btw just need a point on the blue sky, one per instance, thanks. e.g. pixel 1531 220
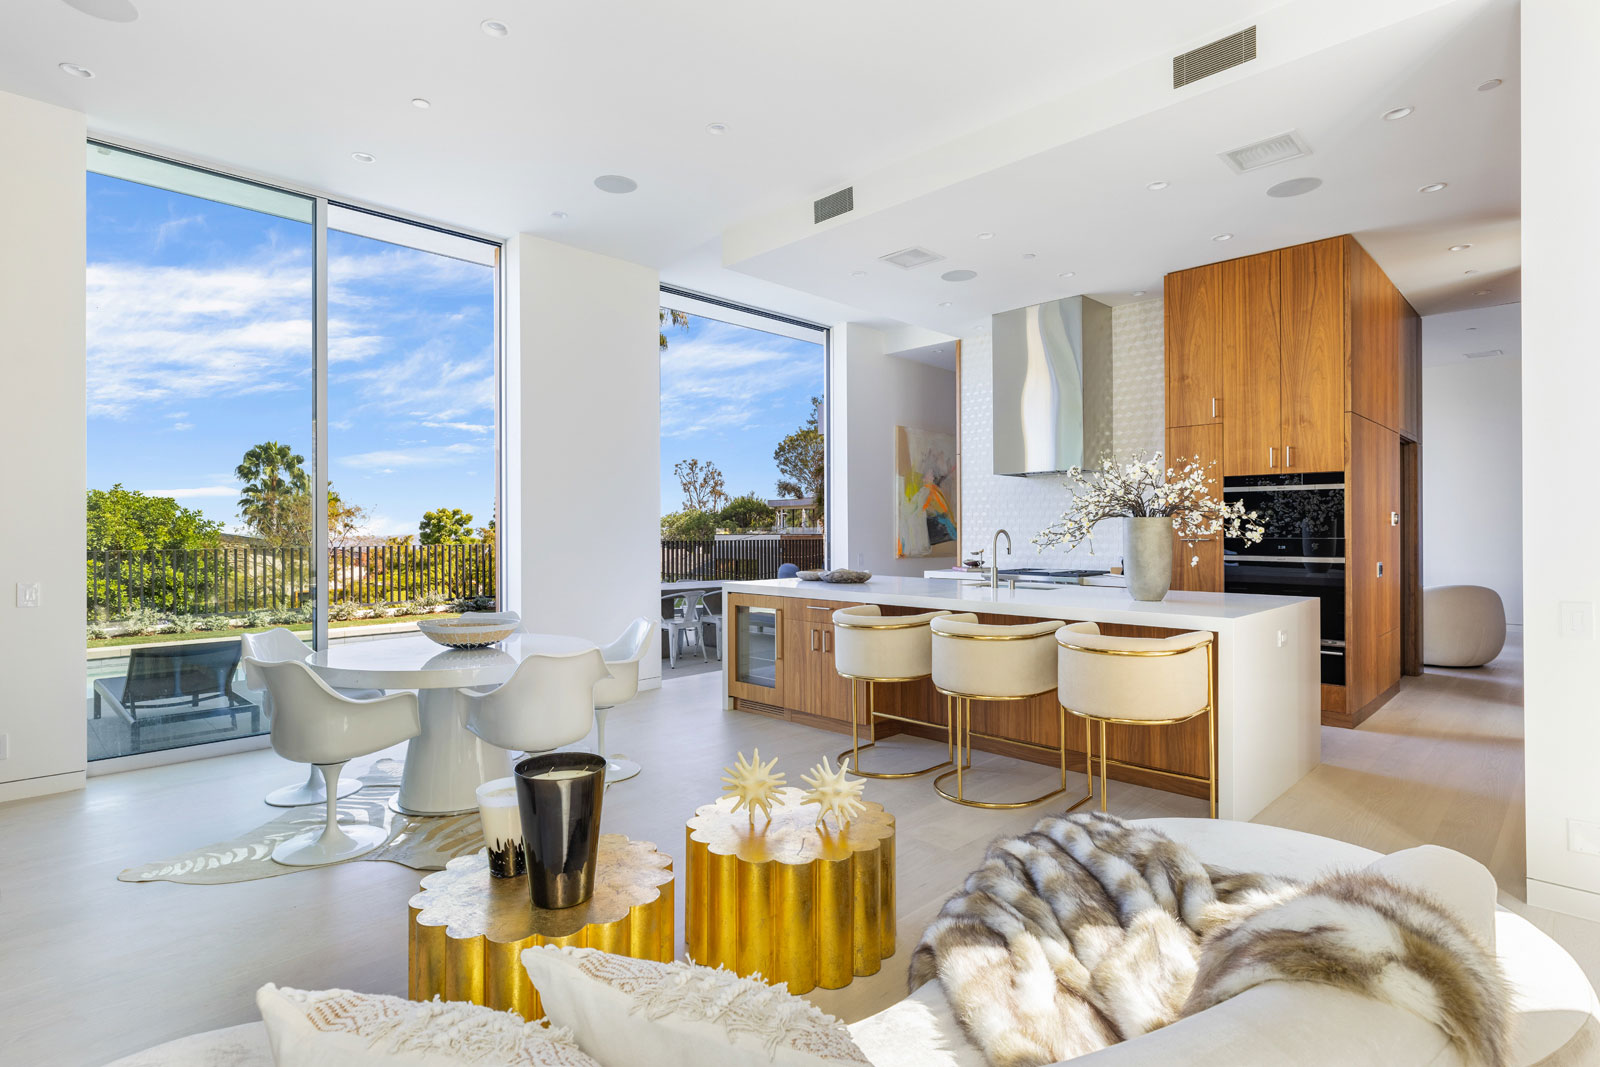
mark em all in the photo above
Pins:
pixel 729 394
pixel 199 319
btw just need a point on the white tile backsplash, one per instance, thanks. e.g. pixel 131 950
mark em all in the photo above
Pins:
pixel 1024 506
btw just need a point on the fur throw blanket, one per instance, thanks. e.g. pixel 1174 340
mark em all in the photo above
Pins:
pixel 1088 931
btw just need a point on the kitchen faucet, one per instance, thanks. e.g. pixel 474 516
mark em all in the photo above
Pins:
pixel 994 559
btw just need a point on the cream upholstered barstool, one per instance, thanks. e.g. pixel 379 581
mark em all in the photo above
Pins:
pixel 1138 681
pixel 979 661
pixel 871 647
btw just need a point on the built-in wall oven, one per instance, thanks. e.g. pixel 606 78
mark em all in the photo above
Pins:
pixel 1301 553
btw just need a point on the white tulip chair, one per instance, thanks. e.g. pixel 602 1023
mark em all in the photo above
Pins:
pixel 279 645
pixel 622 658
pixel 314 724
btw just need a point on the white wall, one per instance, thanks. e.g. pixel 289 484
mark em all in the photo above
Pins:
pixel 873 391
pixel 42 442
pixel 1472 477
pixel 1560 439
pixel 1025 506
pixel 583 416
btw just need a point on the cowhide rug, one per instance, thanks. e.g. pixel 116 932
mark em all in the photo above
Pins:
pixel 1088 931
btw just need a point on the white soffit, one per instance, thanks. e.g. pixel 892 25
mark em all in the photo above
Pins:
pixel 1063 188
pixel 1448 337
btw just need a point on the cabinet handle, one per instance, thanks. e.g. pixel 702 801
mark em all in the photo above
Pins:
pixel 1213 407
pixel 777 640
pixel 826 647
pixel 813 639
pixel 1288 455
pixel 1272 454
pixel 817 607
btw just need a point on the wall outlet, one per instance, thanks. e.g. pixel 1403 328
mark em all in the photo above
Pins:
pixel 27 594
pixel 1577 620
pixel 1583 836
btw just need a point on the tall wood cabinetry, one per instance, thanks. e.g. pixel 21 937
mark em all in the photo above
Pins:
pixel 1300 360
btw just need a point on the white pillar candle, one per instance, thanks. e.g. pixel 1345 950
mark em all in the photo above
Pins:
pixel 497 807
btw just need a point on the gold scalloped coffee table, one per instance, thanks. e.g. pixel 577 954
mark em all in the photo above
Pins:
pixel 468 930
pixel 800 904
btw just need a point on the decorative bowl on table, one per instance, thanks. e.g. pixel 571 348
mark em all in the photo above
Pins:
pixel 468 632
pixel 846 576
pixel 810 576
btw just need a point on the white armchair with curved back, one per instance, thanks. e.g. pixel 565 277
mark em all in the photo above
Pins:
pixel 622 658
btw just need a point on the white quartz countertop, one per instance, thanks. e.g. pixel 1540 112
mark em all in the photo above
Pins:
pixel 1180 610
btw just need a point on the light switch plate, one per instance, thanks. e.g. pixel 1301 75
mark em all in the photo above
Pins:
pixel 1583 836
pixel 27 594
pixel 1577 620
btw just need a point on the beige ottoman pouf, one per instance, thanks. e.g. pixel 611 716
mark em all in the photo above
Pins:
pixel 1462 625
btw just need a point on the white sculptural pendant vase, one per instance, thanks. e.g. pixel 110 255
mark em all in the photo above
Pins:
pixel 1147 556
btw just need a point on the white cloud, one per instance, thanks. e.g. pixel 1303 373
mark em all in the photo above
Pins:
pixel 720 379
pixel 182 426
pixel 464 427
pixel 427 456
pixel 198 491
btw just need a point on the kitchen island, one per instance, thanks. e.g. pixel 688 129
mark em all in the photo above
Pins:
pixel 779 662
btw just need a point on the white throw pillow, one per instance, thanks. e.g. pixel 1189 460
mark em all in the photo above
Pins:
pixel 338 1028
pixel 626 1011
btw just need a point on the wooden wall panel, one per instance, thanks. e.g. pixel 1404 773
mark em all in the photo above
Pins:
pixel 1194 366
pixel 1249 342
pixel 1410 372
pixel 1372 601
pixel 1312 355
pixel 1204 442
pixel 1372 365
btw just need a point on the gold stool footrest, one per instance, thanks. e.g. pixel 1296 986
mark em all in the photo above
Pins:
pixel 854 751
pixel 962 734
pixel 854 754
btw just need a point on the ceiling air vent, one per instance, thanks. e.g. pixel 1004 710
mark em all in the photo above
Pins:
pixel 833 204
pixel 1486 355
pixel 1213 58
pixel 1279 149
pixel 907 258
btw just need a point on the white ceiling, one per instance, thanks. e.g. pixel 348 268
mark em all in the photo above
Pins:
pixel 1082 205
pixel 1448 337
pixel 521 126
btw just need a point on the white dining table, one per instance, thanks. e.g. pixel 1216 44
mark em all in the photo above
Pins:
pixel 445 763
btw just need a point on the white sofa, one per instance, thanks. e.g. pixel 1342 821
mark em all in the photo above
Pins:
pixel 1277 1023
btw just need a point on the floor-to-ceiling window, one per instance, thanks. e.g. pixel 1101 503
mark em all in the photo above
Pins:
pixel 209 298
pixel 743 456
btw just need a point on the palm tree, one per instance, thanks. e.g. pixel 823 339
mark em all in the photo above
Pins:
pixel 273 478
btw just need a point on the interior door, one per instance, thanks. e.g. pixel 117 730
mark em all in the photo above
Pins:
pixel 1312 355
pixel 1194 368
pixel 1249 343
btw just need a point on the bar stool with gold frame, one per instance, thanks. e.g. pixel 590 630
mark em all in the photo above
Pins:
pixel 1139 681
pixel 871 647
pixel 980 661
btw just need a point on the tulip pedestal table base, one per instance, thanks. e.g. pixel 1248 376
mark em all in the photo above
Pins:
pixel 468 930
pixel 805 905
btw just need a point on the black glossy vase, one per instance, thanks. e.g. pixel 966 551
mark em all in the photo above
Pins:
pixel 559 795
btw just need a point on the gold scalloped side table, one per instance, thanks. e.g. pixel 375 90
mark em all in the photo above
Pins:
pixel 468 930
pixel 803 905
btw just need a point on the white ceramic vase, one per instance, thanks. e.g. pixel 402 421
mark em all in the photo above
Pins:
pixel 1147 556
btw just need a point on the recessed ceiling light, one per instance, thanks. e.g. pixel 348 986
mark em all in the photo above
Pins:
pixel 1434 187
pixel 1397 113
pixel 959 275
pixel 1492 83
pixel 858 274
pixel 615 183
pixel 1138 292
pixel 494 27
pixel 1294 187
pixel 1223 237
pixel 985 236
pixel 421 103
pixel 717 128
pixel 1156 187
pixel 1459 248
pixel 363 157
pixel 558 215
pixel 1469 272
pixel 1471 327
pixel 944 303
pixel 1030 255
pixel 1066 274
pixel 75 70
pixel 109 10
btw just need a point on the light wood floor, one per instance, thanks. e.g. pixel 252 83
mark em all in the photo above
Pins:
pixel 92 968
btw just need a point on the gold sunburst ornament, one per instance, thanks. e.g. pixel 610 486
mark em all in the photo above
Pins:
pixel 834 792
pixel 755 783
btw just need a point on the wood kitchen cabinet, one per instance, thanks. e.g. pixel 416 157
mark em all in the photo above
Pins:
pixel 1311 355
pixel 1372 563
pixel 1205 444
pixel 1252 402
pixel 1193 350
pixel 782 660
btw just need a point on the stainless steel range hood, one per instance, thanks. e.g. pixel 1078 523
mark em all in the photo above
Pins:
pixel 1052 386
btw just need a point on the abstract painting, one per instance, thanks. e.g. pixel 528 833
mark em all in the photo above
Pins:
pixel 926 473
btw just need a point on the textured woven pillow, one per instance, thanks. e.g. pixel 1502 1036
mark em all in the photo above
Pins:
pixel 626 1011
pixel 338 1028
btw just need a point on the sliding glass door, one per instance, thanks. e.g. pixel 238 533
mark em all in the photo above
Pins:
pixel 251 350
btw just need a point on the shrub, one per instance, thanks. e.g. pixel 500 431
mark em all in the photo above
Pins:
pixel 433 598
pixel 342 611
pixel 210 623
pixel 96 632
pixel 145 621
pixel 689 526
pixel 747 512
pixel 185 624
